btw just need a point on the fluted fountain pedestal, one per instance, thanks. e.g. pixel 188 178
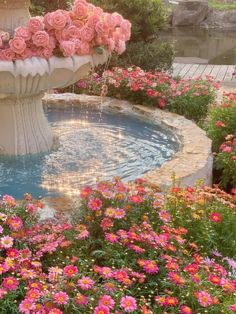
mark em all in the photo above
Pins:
pixel 24 128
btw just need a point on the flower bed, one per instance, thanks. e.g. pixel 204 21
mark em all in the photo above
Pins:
pixel 127 251
pixel 67 33
pixel 190 98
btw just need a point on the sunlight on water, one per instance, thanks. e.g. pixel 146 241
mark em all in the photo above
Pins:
pixel 93 145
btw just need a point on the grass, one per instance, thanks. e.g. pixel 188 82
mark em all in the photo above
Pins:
pixel 219 5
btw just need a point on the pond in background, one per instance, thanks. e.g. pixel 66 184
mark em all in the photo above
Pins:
pixel 211 46
pixel 93 144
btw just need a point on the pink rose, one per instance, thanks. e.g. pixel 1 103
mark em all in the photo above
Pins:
pixel 1 42
pixel 80 9
pixel 70 33
pixel 17 45
pixel 87 34
pixel 93 20
pixel 111 44
pixel 57 19
pixel 101 28
pixel 7 55
pixel 82 48
pixel 121 47
pixel 45 53
pixel 68 48
pixel 23 32
pixel 110 20
pixel 27 54
pixel 36 24
pixel 40 39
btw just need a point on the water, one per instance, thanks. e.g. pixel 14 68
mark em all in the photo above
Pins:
pixel 213 46
pixel 92 145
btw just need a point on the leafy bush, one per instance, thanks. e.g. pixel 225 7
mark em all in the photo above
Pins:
pixel 221 121
pixel 150 56
pixel 147 16
pixel 190 98
pixel 124 253
pixel 40 7
pixel 226 162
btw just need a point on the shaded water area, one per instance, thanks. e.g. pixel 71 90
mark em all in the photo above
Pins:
pixel 213 46
pixel 93 144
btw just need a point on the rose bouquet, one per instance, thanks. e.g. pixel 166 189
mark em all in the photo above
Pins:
pixel 66 33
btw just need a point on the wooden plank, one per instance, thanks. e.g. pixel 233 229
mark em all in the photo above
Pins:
pixel 178 68
pixel 221 74
pixel 184 70
pixel 199 70
pixel 186 74
pixel 191 71
pixel 215 70
pixel 207 70
pixel 228 75
pixel 174 65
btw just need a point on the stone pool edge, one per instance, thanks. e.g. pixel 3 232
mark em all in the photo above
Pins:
pixel 193 161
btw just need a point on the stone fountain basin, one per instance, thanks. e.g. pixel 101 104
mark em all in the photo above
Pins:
pixel 191 163
pixel 31 76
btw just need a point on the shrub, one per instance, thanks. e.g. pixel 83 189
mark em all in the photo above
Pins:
pixel 150 56
pixel 123 252
pixel 147 16
pixel 221 121
pixel 40 7
pixel 225 161
pixel 190 98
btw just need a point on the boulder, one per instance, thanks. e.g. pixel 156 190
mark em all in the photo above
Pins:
pixel 190 13
pixel 220 19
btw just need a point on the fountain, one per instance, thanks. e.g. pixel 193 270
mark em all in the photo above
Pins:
pixel 24 128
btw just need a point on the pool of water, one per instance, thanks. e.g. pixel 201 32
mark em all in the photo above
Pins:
pixel 93 145
pixel 211 46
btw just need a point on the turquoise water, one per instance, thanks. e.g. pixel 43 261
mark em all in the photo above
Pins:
pixel 93 145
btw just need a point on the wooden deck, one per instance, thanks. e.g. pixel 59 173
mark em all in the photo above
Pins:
pixel 221 73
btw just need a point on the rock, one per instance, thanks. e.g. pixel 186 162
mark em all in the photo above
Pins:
pixel 189 13
pixel 220 19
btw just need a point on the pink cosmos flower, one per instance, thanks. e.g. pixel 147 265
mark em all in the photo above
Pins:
pixel 7 242
pixel 17 45
pixel 61 298
pixel 164 215
pixel 204 298
pixel 55 311
pixel 81 299
pixel 129 304
pixel 106 300
pixel 135 199
pixel 10 283
pixel 9 200
pixel 185 309
pixel 85 283
pixel 26 306
pixel 119 213
pixel 15 223
pixel 33 294
pixel 150 267
pixel 95 204
pixel 216 217
pixel 70 271
pixel 111 237
pixel 101 309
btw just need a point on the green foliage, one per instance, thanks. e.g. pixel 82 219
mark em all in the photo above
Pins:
pixel 226 162
pixel 40 7
pixel 150 56
pixel 221 122
pixel 147 16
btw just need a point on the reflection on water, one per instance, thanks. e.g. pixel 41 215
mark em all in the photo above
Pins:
pixel 92 146
pixel 212 46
